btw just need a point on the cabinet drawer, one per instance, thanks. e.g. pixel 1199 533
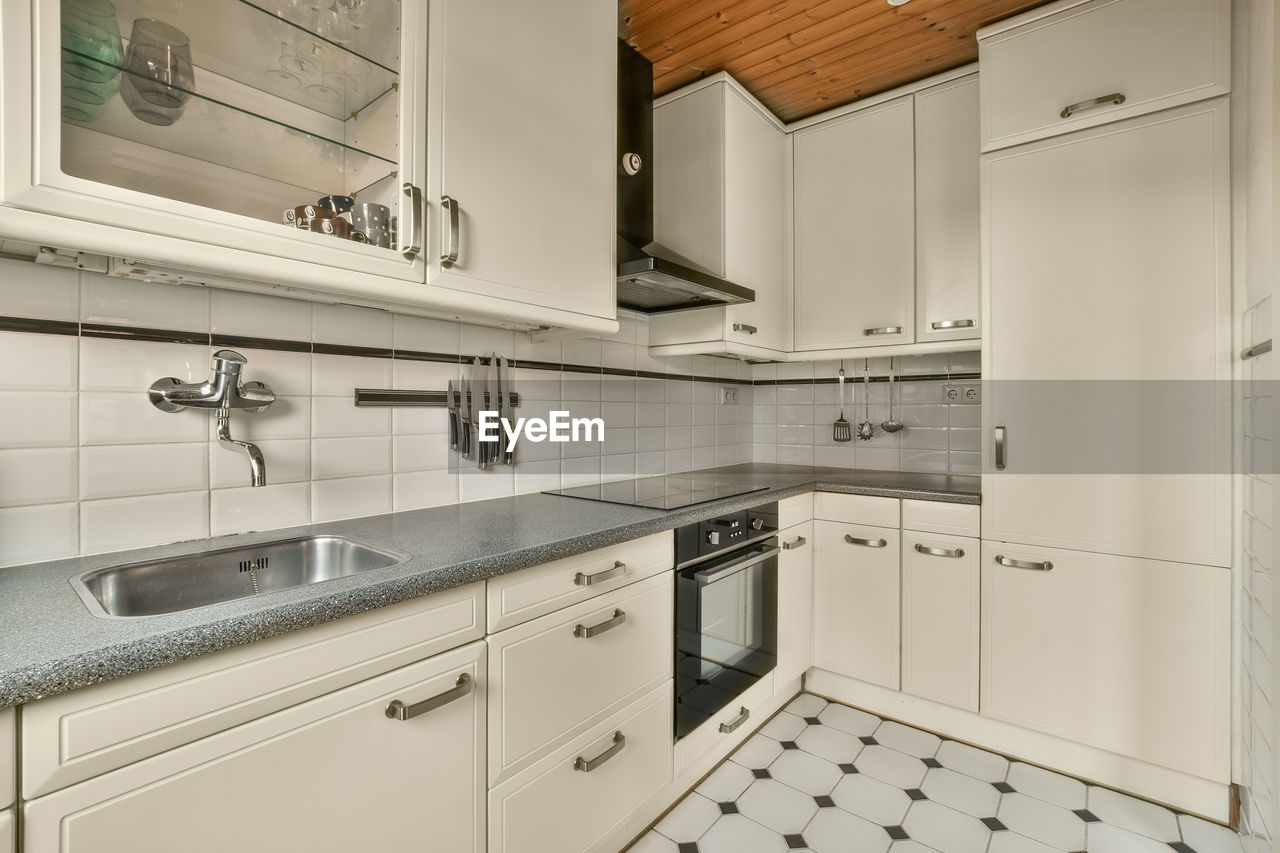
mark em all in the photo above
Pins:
pixel 709 737
pixel 326 775
pixel 796 510
pixel 8 771
pixel 78 735
pixel 526 594
pixel 1125 654
pixel 1156 53
pixel 856 509
pixel 940 618
pixel 940 517
pixel 549 678
pixel 554 806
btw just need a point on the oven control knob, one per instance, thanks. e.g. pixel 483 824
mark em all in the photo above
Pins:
pixel 757 523
pixel 713 537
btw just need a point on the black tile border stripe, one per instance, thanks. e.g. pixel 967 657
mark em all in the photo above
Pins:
pixel 39 327
pixel 279 345
pixel 359 352
pixel 131 333
pixel 954 376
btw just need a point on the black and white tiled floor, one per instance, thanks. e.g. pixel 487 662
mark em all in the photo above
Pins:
pixel 827 778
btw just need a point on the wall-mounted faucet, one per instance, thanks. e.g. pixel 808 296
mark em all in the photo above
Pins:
pixel 223 392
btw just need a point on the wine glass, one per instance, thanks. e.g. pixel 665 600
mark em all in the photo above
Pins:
pixel 160 77
pixel 91 58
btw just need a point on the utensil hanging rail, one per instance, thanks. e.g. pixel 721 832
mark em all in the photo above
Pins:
pixel 372 397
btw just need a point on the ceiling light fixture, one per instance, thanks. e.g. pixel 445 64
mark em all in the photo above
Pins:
pixel 897 2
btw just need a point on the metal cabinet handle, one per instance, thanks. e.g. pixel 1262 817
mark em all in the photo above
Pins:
pixel 412 212
pixel 619 569
pixel 940 552
pixel 953 324
pixel 1001 435
pixel 1255 350
pixel 1024 564
pixel 1072 109
pixel 870 543
pixel 745 327
pixel 449 256
pixel 883 330
pixel 397 710
pixel 582 632
pixel 586 765
pixel 798 542
pixel 743 715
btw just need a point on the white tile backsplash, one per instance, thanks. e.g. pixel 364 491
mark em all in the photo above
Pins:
pixel 131 366
pixel 352 497
pixel 37 476
pixel 128 302
pixel 268 508
pixel 29 534
pixel 39 292
pixel 349 325
pixel 37 419
pixel 142 469
pixel 119 523
pixel 38 362
pixel 256 315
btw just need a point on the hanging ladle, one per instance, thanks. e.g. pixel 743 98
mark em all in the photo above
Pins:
pixel 866 429
pixel 893 424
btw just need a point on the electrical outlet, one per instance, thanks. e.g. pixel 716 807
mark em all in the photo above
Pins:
pixel 962 393
pixel 728 396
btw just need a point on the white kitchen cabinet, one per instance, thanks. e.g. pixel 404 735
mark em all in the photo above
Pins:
pixel 720 201
pixel 1125 654
pixel 421 102
pixel 8 760
pixel 857 601
pixel 716 738
pixel 553 676
pixel 948 266
pixel 575 796
pixel 1108 339
pixel 795 603
pixel 1074 64
pixel 854 225
pixel 326 775
pixel 940 607
pixel 8 843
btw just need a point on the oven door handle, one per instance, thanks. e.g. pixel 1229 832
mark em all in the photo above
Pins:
pixel 716 575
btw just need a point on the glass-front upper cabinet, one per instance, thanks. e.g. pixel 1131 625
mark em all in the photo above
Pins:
pixel 281 140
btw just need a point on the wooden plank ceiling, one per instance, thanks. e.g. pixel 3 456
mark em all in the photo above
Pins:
pixel 801 57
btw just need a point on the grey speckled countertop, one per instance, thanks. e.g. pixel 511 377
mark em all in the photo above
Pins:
pixel 52 643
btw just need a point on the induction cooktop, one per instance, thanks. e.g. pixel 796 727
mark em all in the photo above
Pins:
pixel 668 492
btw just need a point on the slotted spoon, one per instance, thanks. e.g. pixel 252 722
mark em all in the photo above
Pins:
pixel 841 431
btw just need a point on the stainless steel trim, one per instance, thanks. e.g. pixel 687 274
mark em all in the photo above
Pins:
pixel 397 710
pixel 1255 350
pixel 586 765
pixel 1023 564
pixel 745 327
pixel 764 535
pixel 883 330
pixel 374 397
pixel 449 256
pixel 1001 437
pixel 940 552
pixel 719 574
pixel 619 569
pixel 412 230
pixel 743 715
pixel 953 324
pixel 582 632
pixel 1072 109
pixel 870 543
pixel 798 542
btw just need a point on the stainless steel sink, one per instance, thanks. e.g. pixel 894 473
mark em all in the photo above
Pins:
pixel 173 584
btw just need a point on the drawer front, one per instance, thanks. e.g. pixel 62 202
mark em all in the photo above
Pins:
pixel 8 771
pixel 555 807
pixel 548 679
pixel 709 737
pixel 856 509
pixel 940 618
pixel 78 735
pixel 534 592
pixel 326 775
pixel 795 603
pixel 939 517
pixel 1156 53
pixel 856 601
pixel 796 510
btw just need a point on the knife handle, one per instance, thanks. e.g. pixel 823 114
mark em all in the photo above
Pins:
pixel 453 430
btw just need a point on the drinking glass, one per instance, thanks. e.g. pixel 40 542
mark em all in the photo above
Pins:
pixel 160 77
pixel 91 58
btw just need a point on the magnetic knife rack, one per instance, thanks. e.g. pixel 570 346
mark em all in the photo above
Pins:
pixel 374 397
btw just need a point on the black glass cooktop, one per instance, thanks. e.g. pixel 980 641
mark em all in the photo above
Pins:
pixel 670 492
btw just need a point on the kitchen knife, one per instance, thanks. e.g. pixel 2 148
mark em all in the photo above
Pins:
pixel 452 405
pixel 492 379
pixel 508 451
pixel 479 403
pixel 465 406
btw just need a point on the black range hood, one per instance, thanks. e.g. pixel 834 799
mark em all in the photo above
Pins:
pixel 651 279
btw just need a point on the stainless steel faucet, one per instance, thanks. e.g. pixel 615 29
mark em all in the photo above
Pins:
pixel 223 391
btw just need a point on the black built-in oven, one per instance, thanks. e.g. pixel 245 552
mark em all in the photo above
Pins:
pixel 726 611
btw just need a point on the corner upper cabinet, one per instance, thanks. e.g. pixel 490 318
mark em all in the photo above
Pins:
pixel 854 209
pixel 189 164
pixel 720 190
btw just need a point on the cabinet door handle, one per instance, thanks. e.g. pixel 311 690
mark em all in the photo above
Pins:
pixel 1071 109
pixel 1001 435
pixel 798 542
pixel 412 212
pixel 397 710
pixel 940 552
pixel 619 569
pixel 743 716
pixel 1255 350
pixel 1024 564
pixel 883 330
pixel 745 327
pixel 449 256
pixel 870 543
pixel 582 632
pixel 586 765
pixel 953 324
